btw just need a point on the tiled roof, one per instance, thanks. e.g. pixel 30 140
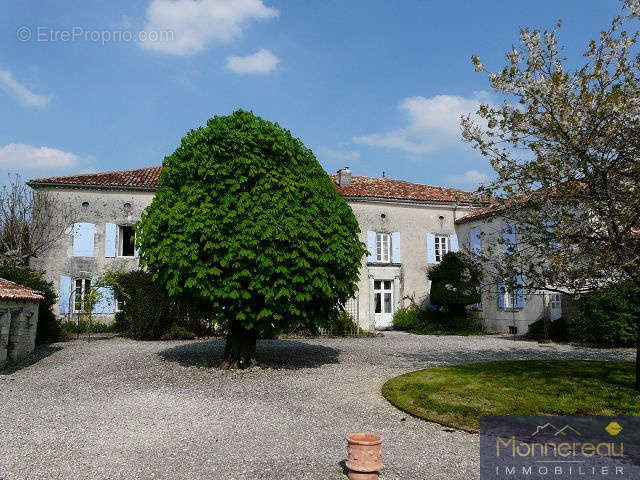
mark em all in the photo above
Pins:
pixel 140 179
pixel 370 187
pixel 13 291
pixel 483 212
pixel 361 187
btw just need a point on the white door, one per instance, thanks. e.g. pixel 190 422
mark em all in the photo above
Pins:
pixel 555 306
pixel 383 303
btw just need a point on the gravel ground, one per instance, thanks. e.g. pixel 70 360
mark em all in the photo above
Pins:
pixel 115 408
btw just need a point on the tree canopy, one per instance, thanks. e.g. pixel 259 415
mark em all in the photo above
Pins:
pixel 246 223
pixel 565 145
pixel 455 283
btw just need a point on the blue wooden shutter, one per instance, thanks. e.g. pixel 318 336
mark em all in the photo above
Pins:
pixel 509 237
pixel 106 302
pixel 520 299
pixel 453 243
pixel 371 246
pixel 474 240
pixel 431 248
pixel 501 290
pixel 64 294
pixel 110 236
pixel 395 248
pixel 83 239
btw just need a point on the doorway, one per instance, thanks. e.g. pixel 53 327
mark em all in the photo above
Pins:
pixel 383 303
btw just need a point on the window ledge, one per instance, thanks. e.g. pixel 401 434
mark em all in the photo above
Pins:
pixel 383 264
pixel 510 309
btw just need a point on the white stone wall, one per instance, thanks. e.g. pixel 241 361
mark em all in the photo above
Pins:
pixel 414 222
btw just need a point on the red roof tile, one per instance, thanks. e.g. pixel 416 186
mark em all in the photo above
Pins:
pixel 361 187
pixel 483 212
pixel 13 291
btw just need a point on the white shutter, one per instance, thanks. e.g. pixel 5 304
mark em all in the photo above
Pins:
pixel 110 230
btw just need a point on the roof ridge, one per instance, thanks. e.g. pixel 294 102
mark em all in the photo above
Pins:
pixel 103 172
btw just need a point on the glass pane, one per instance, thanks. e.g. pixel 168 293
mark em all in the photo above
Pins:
pixel 378 306
pixel 376 284
pixel 387 303
pixel 387 284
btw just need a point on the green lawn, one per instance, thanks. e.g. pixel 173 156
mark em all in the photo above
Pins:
pixel 458 396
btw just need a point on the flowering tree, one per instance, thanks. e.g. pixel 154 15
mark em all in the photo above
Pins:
pixel 565 145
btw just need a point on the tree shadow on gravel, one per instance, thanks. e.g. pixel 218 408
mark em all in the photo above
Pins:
pixel 276 354
pixel 41 352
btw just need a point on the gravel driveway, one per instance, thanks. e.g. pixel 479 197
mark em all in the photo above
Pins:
pixel 115 408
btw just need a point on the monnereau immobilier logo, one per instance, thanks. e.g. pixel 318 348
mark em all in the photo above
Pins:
pixel 560 448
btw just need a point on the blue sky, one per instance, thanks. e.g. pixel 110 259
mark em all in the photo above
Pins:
pixel 375 85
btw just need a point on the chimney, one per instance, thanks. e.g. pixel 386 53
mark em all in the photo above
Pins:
pixel 344 177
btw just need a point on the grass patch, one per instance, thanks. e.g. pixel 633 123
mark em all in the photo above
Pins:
pixel 458 396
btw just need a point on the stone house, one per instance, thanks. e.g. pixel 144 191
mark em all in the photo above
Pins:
pixel 406 226
pixel 18 321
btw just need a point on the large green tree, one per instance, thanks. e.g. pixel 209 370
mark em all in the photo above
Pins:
pixel 565 144
pixel 247 224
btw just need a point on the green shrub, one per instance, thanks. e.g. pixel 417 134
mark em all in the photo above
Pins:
pixel 608 316
pixel 178 332
pixel 455 283
pixel 425 322
pixel 48 329
pixel 146 312
pixel 83 326
pixel 342 325
pixel 408 319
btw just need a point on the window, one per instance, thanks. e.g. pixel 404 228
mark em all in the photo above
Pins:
pixel 126 241
pixel 383 247
pixel 511 296
pixel 82 289
pixel 441 247
pixel 556 301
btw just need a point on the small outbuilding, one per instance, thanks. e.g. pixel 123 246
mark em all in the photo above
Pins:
pixel 18 321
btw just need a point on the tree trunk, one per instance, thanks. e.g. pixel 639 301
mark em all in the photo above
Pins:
pixel 240 348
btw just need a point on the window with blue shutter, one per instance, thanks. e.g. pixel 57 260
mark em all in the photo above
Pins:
pixel 502 293
pixel 519 293
pixel 83 239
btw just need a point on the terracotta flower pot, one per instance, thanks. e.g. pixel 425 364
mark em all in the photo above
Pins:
pixel 364 456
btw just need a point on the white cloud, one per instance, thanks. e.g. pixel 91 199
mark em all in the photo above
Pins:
pixel 469 179
pixel 18 156
pixel 262 62
pixel 194 23
pixel 433 124
pixel 22 93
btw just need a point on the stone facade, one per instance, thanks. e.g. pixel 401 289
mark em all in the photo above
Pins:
pixel 18 322
pixel 409 216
